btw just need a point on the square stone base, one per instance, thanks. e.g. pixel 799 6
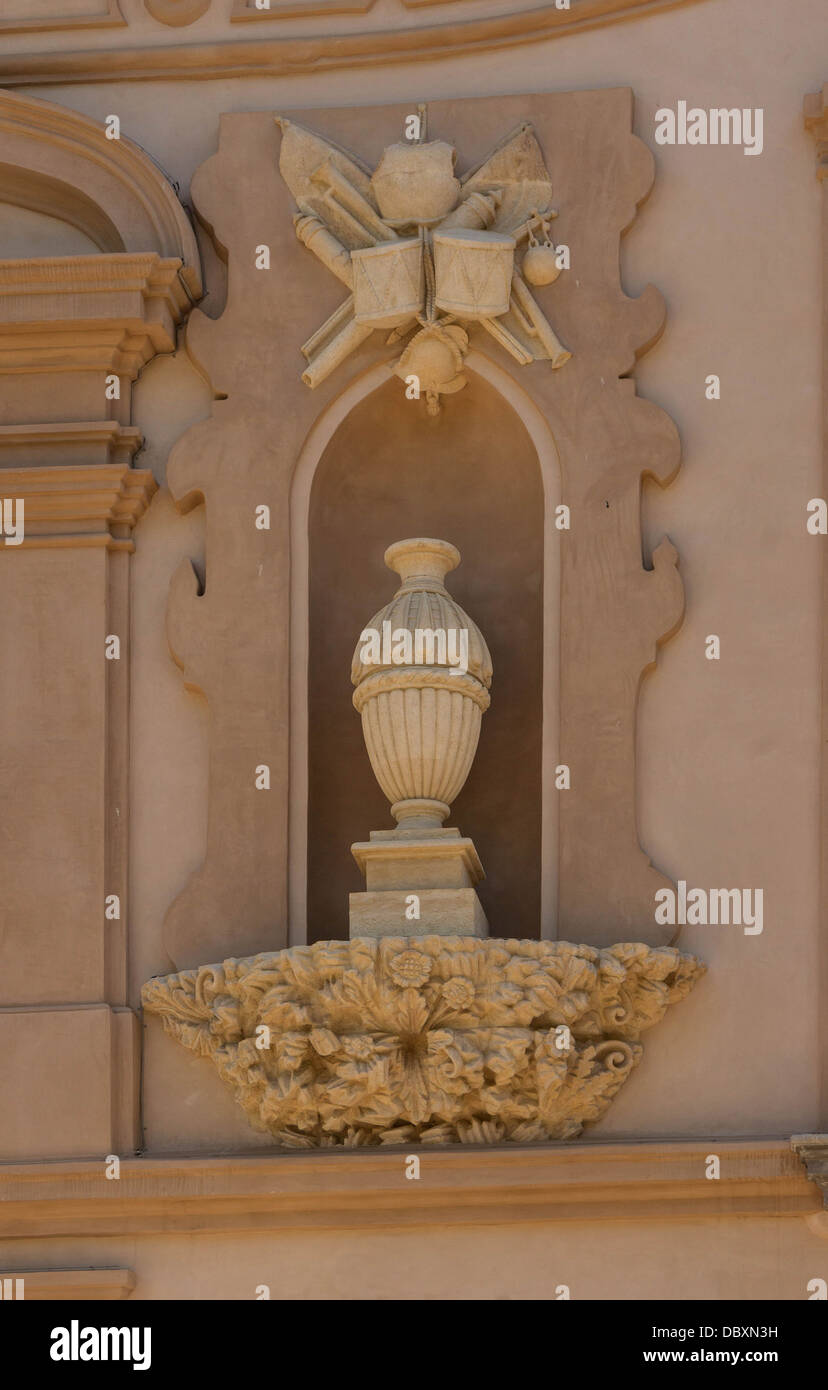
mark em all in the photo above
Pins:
pixel 443 912
pixel 437 868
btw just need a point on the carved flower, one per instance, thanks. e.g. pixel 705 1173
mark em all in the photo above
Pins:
pixel 360 1049
pixel 409 968
pixel 458 993
pixel 360 1053
pixel 364 1055
pixel 454 1065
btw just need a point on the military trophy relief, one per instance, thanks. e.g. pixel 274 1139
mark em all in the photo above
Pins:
pixel 426 255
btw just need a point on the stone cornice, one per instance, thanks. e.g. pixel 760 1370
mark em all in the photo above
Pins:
pixel 458 1186
pixel 813 1150
pixel 24 447
pixel 816 120
pixel 97 504
pixel 86 313
pixel 411 41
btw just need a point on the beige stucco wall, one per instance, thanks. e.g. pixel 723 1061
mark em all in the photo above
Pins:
pixel 707 1260
pixel 727 751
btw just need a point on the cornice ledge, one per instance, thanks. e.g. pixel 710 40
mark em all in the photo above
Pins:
pixel 812 1149
pixel 145 272
pixel 81 504
pixel 465 1185
pixel 274 57
pixel 111 312
pixel 60 444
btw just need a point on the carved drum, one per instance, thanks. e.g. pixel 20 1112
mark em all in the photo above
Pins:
pixel 473 272
pixel 388 282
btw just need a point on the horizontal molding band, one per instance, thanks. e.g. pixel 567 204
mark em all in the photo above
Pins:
pixel 78 541
pixel 274 57
pixel 458 1186
pixel 64 1285
pixel 64 444
pixel 80 503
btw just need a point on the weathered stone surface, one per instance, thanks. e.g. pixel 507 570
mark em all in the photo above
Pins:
pixel 440 912
pixel 238 641
pixel 386 1042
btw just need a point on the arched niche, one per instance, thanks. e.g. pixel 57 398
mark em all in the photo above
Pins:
pixel 376 469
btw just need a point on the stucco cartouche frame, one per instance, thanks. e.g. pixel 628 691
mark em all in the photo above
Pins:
pixel 332 40
pixel 233 640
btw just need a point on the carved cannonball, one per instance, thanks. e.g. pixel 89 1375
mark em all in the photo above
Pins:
pixel 540 266
pixel 422 673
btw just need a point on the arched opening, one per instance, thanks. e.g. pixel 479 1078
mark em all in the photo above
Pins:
pixel 381 471
pixel 60 219
pixel 24 234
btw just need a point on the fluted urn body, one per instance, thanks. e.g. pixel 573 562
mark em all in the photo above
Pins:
pixel 422 673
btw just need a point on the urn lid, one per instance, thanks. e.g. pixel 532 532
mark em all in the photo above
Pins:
pixel 422 605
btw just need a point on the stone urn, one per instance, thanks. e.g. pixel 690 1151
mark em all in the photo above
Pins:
pixel 422 673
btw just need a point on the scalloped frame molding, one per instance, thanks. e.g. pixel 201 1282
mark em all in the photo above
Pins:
pixel 233 642
pixel 318 52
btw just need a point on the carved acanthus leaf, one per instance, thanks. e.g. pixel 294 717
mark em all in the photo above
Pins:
pixel 443 1040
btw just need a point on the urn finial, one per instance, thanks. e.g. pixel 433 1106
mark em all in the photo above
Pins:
pixel 422 673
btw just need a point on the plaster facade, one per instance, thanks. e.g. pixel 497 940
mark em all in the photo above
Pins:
pixel 133 262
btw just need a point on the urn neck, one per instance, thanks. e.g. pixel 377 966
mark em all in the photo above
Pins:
pixel 422 563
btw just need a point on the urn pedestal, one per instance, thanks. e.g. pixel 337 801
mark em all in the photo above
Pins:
pixel 436 868
pixel 422 673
